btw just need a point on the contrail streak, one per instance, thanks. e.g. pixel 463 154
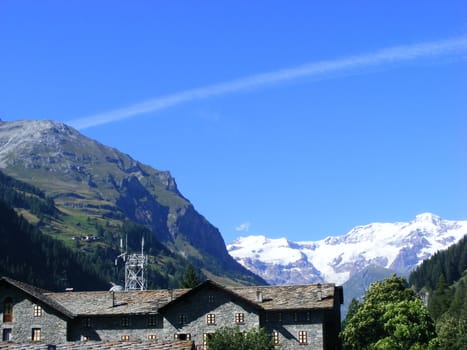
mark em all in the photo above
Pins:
pixel 314 69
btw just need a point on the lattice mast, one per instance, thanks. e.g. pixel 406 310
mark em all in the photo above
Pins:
pixel 135 268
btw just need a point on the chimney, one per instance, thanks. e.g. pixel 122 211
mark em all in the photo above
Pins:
pixel 319 294
pixel 259 296
pixel 113 299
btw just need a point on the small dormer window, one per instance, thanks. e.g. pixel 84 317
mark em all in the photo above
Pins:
pixel 210 319
pixel 37 310
pixel 239 318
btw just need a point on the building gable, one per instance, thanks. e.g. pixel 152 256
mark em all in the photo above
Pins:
pixel 26 315
pixel 36 295
pixel 209 288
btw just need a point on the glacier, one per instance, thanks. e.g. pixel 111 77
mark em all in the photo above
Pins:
pixel 399 247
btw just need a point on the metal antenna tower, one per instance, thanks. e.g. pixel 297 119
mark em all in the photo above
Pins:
pixel 135 268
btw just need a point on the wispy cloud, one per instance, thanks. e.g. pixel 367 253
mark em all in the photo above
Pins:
pixel 245 227
pixel 320 69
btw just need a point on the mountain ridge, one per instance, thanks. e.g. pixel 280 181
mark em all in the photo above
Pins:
pixel 398 247
pixel 89 180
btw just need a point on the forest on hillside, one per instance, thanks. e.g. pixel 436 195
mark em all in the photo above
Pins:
pixel 443 278
pixel 30 256
pixel 46 261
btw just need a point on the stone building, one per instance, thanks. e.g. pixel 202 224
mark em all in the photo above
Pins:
pixel 297 317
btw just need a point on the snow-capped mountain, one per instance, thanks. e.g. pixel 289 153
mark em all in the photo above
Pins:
pixel 399 247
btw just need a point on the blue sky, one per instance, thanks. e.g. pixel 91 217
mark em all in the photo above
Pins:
pixel 299 119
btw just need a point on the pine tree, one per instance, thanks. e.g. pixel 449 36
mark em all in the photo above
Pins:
pixel 190 277
pixel 440 299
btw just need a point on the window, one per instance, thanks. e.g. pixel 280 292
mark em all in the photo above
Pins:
pixel 295 316
pixel 211 319
pixel 37 310
pixel 182 320
pixel 125 321
pixel 87 322
pixel 125 338
pixel 152 337
pixel 279 317
pixel 182 336
pixel 211 298
pixel 36 334
pixel 206 337
pixel 152 320
pixel 302 337
pixel 239 318
pixel 275 337
pixel 84 338
pixel 8 310
pixel 6 336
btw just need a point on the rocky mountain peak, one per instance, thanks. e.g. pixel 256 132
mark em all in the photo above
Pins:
pixel 397 246
pixel 85 176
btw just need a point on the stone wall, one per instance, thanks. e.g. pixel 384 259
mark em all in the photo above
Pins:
pixel 198 306
pixel 113 328
pixel 53 327
pixel 289 324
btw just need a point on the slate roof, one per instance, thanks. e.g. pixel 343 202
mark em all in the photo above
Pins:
pixel 294 297
pixel 98 345
pixel 105 303
pixel 116 303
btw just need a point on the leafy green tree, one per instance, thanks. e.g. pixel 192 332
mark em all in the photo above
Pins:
pixel 391 316
pixel 232 339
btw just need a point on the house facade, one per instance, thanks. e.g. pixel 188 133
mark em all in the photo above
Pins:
pixel 297 317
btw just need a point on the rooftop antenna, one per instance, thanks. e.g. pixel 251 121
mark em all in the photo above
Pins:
pixel 135 267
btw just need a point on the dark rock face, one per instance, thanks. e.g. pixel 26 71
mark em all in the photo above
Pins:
pixel 140 206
